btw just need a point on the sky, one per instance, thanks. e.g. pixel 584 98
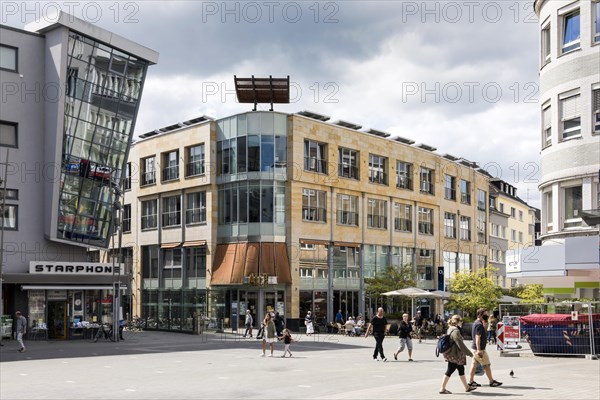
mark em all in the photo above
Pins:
pixel 460 76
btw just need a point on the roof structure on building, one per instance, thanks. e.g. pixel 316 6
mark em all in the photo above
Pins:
pixel 314 115
pixel 55 18
pixel 262 90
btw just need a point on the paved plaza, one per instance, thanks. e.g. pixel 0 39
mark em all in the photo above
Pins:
pixel 160 365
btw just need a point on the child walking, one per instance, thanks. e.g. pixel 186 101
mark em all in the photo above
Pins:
pixel 287 340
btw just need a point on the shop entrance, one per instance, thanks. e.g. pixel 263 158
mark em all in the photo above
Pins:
pixel 259 302
pixel 57 319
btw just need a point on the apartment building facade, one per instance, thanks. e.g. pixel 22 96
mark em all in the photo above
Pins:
pixel 270 211
pixel 71 92
pixel 567 262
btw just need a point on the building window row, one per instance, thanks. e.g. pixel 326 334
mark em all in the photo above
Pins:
pixel 194 165
pixel 170 212
pixel 9 58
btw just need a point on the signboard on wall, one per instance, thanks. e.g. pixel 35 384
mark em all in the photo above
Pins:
pixel 73 268
pixel 440 277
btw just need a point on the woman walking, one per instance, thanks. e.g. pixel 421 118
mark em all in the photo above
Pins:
pixel 268 335
pixel 456 356
pixel 308 321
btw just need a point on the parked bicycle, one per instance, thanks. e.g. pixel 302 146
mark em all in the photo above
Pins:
pixel 107 331
pixel 132 328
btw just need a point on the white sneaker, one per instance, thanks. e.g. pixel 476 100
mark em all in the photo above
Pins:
pixel 262 355
pixel 271 355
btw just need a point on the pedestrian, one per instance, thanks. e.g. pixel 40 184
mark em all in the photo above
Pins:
pixel 481 357
pixel 491 329
pixel 456 356
pixel 339 318
pixel 419 325
pixel 21 330
pixel 287 341
pixel 279 324
pixel 268 335
pixel 404 330
pixel 308 321
pixel 377 325
pixel 249 321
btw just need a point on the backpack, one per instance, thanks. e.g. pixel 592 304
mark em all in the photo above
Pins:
pixel 443 345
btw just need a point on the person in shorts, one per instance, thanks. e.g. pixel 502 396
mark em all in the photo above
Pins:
pixel 404 330
pixel 269 335
pixel 479 336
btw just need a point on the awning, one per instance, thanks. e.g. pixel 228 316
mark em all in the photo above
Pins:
pixel 170 245
pixel 315 241
pixel 195 243
pixel 72 287
pixel 282 264
pixel 235 261
pixel 346 244
pixel 223 264
pixel 60 279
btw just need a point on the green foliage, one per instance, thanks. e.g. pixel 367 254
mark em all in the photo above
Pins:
pixel 474 290
pixel 392 278
pixel 531 294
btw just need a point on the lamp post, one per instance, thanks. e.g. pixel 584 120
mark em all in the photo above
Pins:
pixel 116 277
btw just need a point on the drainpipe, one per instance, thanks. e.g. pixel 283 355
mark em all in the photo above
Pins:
pixel 361 275
pixel 330 261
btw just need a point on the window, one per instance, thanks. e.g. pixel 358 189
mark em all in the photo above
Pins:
pixel 10 194
pixel 597 22
pixel 8 58
pixel 402 217
pixel 8 134
pixel 148 171
pixel 171 213
pixel 314 205
pixel 195 160
pixel 546 126
pixel 377 213
pixel 513 212
pixel 570 39
pixel 546 49
pixel 426 178
pixel 465 228
pixel 172 264
pixel 149 214
pixel 127 218
pixel 425 221
pixel 195 208
pixel 513 235
pixel 449 187
pixel 572 206
pixel 315 157
pixel 171 165
pixel 127 177
pixel 347 210
pixel 450 225
pixel 495 230
pixel 502 207
pixel 596 106
pixel 503 232
pixel 520 237
pixel 465 192
pixel 308 246
pixel 570 117
pixel 520 215
pixel 547 206
pixel 377 169
pixel 348 163
pixel 404 175
pixel 481 216
pixel 10 217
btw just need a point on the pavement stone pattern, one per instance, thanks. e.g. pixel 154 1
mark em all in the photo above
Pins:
pixel 163 365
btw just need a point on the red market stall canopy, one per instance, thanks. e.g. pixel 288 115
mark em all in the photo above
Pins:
pixel 556 319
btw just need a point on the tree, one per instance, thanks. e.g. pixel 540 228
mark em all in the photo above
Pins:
pixel 392 278
pixel 531 294
pixel 474 290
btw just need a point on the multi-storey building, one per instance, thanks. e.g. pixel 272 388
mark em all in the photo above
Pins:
pixel 567 262
pixel 512 227
pixel 71 93
pixel 266 210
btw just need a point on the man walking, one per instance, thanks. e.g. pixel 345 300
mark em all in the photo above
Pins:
pixel 248 322
pixel 479 341
pixel 21 329
pixel 404 331
pixel 377 325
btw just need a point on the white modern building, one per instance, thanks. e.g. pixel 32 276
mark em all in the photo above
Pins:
pixel 567 262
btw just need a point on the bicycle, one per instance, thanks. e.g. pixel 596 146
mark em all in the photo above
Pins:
pixel 132 328
pixel 107 330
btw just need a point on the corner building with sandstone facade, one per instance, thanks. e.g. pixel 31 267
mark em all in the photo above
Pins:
pixel 290 213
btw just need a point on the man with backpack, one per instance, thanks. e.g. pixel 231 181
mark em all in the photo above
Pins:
pixel 404 330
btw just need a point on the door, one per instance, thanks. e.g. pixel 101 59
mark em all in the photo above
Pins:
pixel 57 319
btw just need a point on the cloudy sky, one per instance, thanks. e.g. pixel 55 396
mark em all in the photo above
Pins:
pixel 460 76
